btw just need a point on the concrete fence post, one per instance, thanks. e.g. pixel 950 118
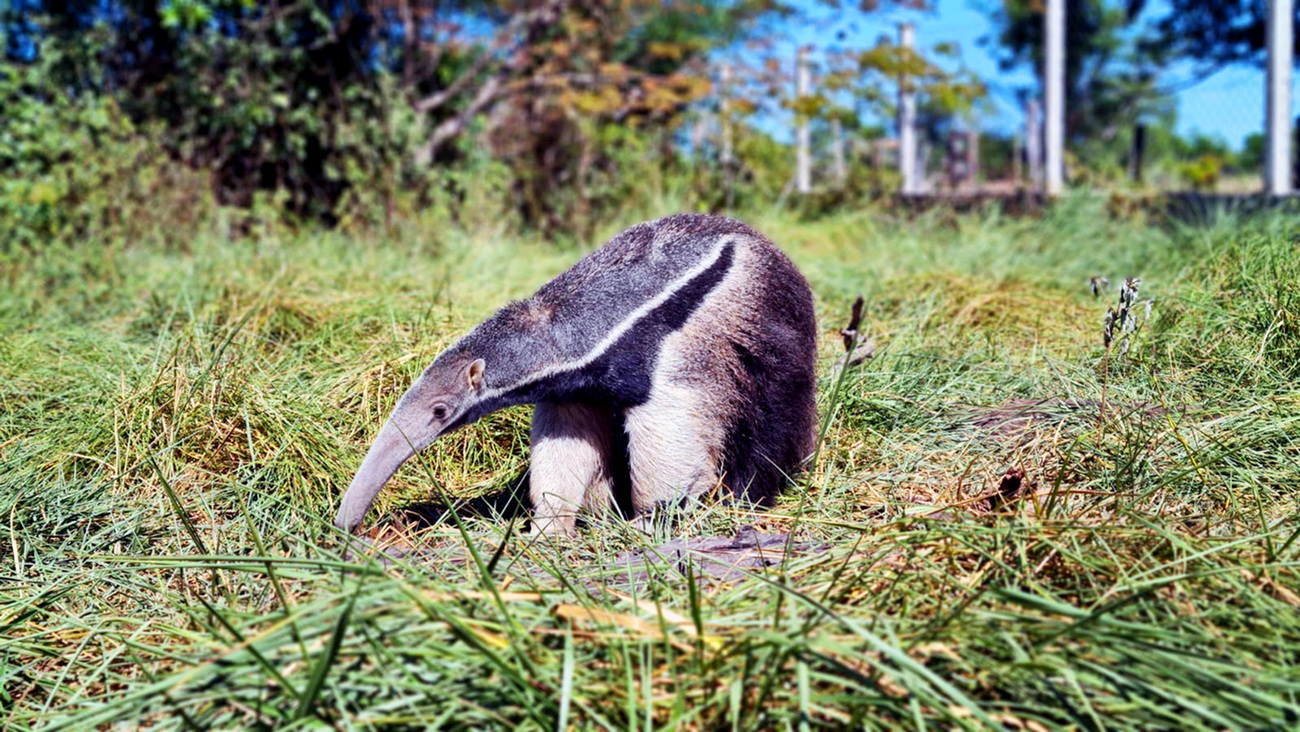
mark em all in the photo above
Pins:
pixel 1054 96
pixel 907 161
pixel 1277 107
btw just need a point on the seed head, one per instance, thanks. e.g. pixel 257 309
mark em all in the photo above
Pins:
pixel 1129 292
pixel 1122 321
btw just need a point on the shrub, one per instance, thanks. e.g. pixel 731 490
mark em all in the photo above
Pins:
pixel 75 166
pixel 1202 174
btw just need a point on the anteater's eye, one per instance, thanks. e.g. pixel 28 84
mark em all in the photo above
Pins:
pixel 439 412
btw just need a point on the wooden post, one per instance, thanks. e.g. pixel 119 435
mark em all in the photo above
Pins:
pixel 1137 152
pixel 1277 108
pixel 803 156
pixel 923 183
pixel 907 162
pixel 973 159
pixel 1054 95
pixel 1034 143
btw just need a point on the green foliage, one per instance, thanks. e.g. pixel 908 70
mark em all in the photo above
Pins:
pixel 1213 33
pixel 997 152
pixel 265 100
pixel 597 171
pixel 869 78
pixel 283 106
pixel 758 174
pixel 75 167
pixel 1202 174
pixel 616 85
pixel 359 114
pixel 1252 153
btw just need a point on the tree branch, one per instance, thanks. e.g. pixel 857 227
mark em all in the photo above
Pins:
pixel 450 128
pixel 492 89
pixel 488 58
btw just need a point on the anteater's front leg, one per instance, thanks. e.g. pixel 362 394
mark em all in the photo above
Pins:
pixel 674 450
pixel 570 467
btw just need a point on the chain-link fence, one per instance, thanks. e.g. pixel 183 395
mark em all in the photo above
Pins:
pixel 1129 124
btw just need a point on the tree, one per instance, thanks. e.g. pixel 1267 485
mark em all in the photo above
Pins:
pixel 1252 152
pixel 1111 71
pixel 267 97
pixel 586 91
pixel 309 99
pixel 1215 33
pixel 329 104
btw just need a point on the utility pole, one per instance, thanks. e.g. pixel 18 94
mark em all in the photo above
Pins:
pixel 1054 94
pixel 907 119
pixel 803 157
pixel 1277 109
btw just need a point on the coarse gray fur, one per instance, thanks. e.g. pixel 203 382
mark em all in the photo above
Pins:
pixel 675 359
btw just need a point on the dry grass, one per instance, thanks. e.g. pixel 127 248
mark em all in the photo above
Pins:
pixel 176 428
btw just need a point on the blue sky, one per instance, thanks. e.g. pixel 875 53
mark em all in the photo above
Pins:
pixel 1229 105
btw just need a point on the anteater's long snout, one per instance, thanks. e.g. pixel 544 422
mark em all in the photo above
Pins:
pixel 391 448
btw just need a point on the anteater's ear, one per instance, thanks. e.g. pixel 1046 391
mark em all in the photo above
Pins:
pixel 475 374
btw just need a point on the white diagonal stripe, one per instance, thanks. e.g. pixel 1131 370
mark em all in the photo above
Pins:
pixel 622 328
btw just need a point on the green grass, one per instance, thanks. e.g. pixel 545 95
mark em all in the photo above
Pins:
pixel 176 428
